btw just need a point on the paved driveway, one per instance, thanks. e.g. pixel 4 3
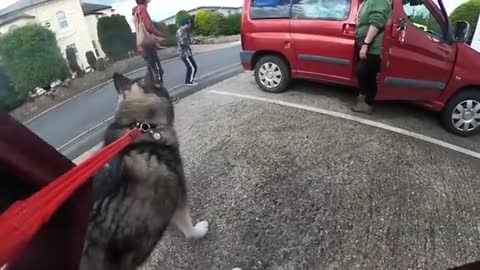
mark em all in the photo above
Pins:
pixel 295 181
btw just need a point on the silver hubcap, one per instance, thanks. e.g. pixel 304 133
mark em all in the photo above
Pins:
pixel 270 75
pixel 466 115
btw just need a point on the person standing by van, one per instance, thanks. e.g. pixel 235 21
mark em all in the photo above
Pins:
pixel 185 51
pixel 371 20
pixel 149 51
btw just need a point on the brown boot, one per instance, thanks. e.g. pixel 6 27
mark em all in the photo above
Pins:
pixel 361 106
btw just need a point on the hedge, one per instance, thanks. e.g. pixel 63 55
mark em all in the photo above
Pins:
pixel 33 58
pixel 9 99
pixel 115 36
pixel 467 11
pixel 204 22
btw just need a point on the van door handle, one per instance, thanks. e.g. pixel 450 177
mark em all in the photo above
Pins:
pixel 349 28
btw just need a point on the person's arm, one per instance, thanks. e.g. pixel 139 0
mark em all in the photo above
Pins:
pixel 148 22
pixel 378 17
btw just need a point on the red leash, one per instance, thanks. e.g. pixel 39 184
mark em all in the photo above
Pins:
pixel 22 220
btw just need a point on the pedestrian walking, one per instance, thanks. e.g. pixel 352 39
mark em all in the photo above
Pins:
pixel 371 20
pixel 185 51
pixel 148 39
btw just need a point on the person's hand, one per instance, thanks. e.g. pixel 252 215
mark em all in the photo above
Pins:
pixel 363 52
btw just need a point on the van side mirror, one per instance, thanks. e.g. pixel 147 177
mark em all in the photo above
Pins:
pixel 461 31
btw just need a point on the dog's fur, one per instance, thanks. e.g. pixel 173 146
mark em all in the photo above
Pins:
pixel 139 193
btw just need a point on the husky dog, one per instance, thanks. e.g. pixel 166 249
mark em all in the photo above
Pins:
pixel 140 192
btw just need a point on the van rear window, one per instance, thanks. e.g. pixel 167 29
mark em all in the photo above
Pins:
pixel 270 9
pixel 321 9
pixel 300 9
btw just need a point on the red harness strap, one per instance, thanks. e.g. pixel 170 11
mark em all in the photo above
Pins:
pixel 24 218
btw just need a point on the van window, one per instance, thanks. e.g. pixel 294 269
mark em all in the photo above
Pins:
pixel 422 18
pixel 321 9
pixel 270 9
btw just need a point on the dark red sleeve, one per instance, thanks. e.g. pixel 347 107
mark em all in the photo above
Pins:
pixel 148 22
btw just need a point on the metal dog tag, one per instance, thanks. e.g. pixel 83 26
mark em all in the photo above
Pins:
pixel 157 136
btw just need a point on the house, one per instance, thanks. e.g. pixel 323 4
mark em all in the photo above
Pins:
pixel 220 9
pixel 73 22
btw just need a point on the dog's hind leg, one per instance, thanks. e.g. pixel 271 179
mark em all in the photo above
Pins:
pixel 183 220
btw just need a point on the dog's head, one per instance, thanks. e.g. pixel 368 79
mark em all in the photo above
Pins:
pixel 142 100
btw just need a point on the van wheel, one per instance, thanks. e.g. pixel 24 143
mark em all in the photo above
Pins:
pixel 272 74
pixel 461 116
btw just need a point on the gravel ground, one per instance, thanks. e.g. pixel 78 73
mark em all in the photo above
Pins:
pixel 285 188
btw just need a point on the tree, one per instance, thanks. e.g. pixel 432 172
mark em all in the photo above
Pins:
pixel 168 31
pixel 469 12
pixel 234 23
pixel 33 58
pixel 219 24
pixel 115 36
pixel 204 22
pixel 9 99
pixel 182 14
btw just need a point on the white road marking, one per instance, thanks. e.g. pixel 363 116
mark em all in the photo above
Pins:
pixel 103 84
pixel 97 147
pixel 87 154
pixel 358 120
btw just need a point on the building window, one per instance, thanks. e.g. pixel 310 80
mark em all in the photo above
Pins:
pixel 95 48
pixel 321 10
pixel 266 9
pixel 62 20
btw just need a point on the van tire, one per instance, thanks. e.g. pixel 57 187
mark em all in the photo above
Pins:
pixel 461 100
pixel 277 65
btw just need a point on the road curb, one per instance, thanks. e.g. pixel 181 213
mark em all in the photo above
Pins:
pixel 96 87
pixel 89 139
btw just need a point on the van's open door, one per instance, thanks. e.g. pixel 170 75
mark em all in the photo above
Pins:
pixel 417 57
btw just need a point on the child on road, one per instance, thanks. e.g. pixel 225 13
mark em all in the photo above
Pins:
pixel 185 52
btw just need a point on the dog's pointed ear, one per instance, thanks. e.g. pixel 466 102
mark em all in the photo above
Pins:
pixel 121 82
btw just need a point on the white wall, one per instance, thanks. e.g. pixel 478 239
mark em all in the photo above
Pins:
pixel 77 33
pixel 92 21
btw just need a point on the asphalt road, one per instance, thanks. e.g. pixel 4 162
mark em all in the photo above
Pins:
pixel 298 181
pixel 66 122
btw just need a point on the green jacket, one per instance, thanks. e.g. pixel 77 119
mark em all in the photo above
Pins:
pixel 376 13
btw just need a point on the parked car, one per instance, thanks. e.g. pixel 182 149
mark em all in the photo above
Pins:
pixel 422 60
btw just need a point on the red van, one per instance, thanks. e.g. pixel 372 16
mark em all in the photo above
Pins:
pixel 424 58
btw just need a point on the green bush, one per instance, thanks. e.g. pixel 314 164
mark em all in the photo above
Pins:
pixel 33 58
pixel 101 64
pixel 234 22
pixel 467 11
pixel 9 99
pixel 219 24
pixel 115 36
pixel 204 22
pixel 168 31
pixel 91 59
pixel 72 60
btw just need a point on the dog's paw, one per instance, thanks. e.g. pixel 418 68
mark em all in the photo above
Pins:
pixel 201 230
